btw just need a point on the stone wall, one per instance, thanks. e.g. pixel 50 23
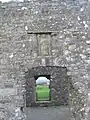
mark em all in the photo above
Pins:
pixel 21 23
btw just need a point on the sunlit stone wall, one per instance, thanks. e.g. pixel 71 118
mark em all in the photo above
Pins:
pixel 68 45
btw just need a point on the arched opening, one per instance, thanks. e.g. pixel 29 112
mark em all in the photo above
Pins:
pixel 43 88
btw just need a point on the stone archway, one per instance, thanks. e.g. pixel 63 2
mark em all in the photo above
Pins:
pixel 58 85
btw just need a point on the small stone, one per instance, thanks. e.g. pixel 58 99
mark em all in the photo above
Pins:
pixel 36 12
pixel 24 8
pixel 82 9
pixel 69 73
pixel 87 61
pixel 78 18
pixel 43 62
pixel 50 17
pixel 63 18
pixel 11 56
pixel 86 26
pixel 68 58
pixel 61 37
pixel 71 47
pixel 30 40
pixel 83 37
pixel 88 50
pixel 66 52
pixel 82 56
pixel 84 22
pixel 35 55
pixel 88 41
pixel 23 45
pixel 26 28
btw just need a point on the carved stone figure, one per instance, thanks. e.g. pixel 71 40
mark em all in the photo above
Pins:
pixel 44 45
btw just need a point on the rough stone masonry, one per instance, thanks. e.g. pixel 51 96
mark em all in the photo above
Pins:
pixel 43 33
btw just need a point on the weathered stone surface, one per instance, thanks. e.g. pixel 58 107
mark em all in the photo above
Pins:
pixel 8 91
pixel 69 24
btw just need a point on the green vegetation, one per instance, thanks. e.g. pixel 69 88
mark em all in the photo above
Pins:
pixel 42 93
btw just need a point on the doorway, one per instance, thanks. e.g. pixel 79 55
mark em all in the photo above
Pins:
pixel 42 88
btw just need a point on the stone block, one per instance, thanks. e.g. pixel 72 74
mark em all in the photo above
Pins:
pixel 8 91
pixel 2 115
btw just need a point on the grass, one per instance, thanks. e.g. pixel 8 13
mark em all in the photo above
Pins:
pixel 43 93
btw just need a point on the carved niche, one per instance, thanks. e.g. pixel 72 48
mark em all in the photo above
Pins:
pixel 44 44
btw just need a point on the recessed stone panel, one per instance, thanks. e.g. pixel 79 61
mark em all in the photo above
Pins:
pixel 44 48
